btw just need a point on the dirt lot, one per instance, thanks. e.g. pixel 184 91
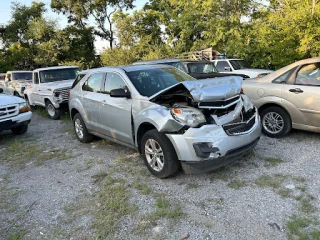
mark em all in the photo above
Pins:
pixel 54 187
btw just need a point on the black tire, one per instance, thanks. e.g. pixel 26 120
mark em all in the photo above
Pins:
pixel 32 108
pixel 52 112
pixel 86 136
pixel 287 124
pixel 170 160
pixel 20 130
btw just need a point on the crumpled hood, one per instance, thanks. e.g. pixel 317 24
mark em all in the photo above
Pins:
pixel 205 90
pixel 58 84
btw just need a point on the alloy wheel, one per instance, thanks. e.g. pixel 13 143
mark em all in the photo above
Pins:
pixel 79 128
pixel 273 122
pixel 154 155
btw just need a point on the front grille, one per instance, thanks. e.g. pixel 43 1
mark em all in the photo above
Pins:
pixel 64 93
pixel 9 111
pixel 240 127
pixel 220 104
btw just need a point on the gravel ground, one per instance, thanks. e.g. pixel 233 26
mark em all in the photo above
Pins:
pixel 54 187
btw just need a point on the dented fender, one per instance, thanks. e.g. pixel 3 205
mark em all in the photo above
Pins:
pixel 159 116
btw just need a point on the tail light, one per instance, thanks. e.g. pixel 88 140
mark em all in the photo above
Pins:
pixel 69 95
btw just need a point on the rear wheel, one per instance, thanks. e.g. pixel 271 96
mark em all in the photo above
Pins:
pixel 81 130
pixel 276 122
pixel 159 154
pixel 20 130
pixel 53 113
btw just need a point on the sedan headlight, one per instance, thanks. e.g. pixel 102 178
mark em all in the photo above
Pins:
pixel 188 116
pixel 23 107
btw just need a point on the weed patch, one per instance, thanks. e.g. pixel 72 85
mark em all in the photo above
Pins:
pixel 237 184
pixel 272 162
pixel 113 201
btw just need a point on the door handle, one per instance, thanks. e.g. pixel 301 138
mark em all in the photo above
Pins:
pixel 296 90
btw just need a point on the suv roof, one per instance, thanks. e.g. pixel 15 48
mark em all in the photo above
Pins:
pixel 128 68
pixel 158 61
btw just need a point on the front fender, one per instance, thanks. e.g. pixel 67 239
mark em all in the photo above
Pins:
pixel 160 117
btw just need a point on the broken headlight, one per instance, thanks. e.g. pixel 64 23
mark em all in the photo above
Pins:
pixel 188 116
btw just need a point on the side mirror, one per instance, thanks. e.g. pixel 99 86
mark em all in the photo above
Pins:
pixel 227 69
pixel 120 93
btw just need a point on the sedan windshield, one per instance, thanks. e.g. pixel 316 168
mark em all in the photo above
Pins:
pixel 58 74
pixel 21 76
pixel 239 64
pixel 150 81
pixel 202 68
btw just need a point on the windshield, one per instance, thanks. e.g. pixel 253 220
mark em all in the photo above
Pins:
pixel 21 76
pixel 178 65
pixel 150 81
pixel 239 64
pixel 202 68
pixel 58 74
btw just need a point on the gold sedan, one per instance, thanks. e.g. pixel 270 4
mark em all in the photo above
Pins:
pixel 288 98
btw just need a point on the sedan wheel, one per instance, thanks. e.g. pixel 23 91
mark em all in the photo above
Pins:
pixel 276 122
pixel 273 122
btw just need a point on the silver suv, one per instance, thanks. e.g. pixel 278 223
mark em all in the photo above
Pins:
pixel 167 115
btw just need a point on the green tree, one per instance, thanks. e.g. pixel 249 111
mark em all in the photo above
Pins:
pixel 79 11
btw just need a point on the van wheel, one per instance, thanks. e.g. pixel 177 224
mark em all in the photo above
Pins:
pixel 276 122
pixel 81 130
pixel 159 154
pixel 53 113
pixel 19 130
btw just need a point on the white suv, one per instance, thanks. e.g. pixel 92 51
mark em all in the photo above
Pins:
pixel 15 115
pixel 239 66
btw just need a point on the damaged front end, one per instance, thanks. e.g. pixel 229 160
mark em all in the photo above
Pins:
pixel 211 122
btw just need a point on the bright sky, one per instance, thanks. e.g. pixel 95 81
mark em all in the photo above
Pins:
pixel 5 15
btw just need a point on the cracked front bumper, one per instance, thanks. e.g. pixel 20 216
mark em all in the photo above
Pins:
pixel 209 147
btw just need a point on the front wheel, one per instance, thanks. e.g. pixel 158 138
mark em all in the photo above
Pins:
pixel 159 154
pixel 276 122
pixel 53 113
pixel 32 107
pixel 19 130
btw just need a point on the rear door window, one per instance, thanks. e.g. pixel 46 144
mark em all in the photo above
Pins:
pixel 93 83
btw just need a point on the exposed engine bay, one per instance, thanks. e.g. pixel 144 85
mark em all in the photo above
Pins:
pixel 196 103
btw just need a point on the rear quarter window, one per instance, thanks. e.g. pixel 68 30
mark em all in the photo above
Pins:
pixel 77 80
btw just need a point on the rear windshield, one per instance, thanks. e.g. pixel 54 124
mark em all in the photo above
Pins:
pixel 21 76
pixel 58 74
pixel 150 81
